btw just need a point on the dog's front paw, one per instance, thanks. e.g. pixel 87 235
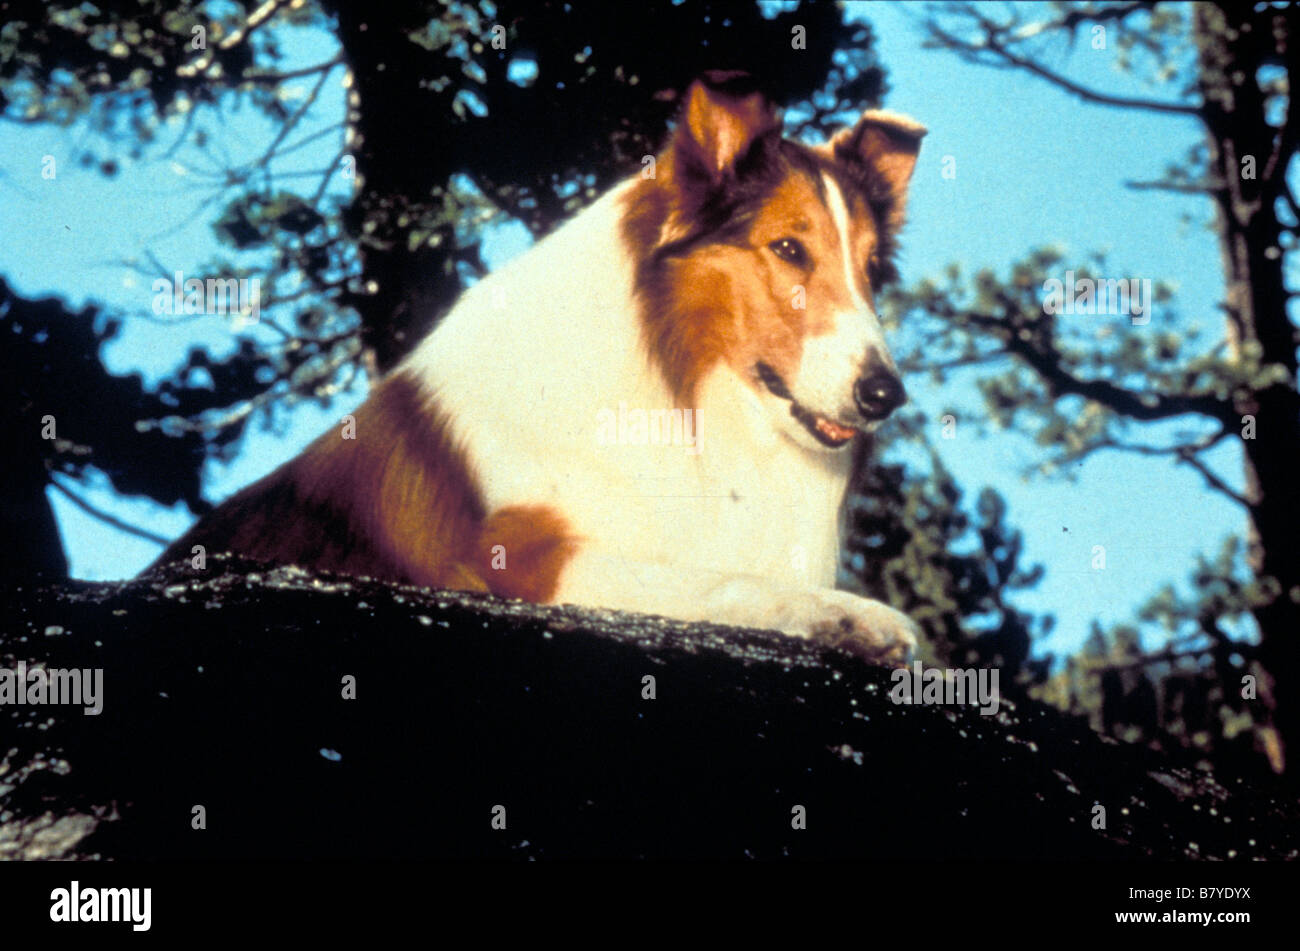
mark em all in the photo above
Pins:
pixel 870 629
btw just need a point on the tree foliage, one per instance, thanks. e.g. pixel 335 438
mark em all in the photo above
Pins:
pixel 912 543
pixel 1082 389
pixel 457 116
pixel 460 116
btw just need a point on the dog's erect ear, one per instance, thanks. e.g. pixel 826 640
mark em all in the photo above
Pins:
pixel 722 116
pixel 886 145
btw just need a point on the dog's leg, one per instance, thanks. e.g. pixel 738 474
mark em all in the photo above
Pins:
pixel 869 628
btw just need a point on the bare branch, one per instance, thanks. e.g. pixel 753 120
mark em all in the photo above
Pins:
pixel 107 518
pixel 307 140
pixel 994 44
pixel 1183 453
pixel 293 120
pixel 327 177
pixel 1289 197
pixel 1079 16
pixel 1187 188
pixel 1216 483
pixel 271 78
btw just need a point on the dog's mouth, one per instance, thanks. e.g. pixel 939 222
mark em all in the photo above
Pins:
pixel 826 432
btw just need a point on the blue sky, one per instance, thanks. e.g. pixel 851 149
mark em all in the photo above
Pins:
pixel 1034 167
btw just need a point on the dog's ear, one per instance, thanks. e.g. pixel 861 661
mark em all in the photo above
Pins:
pixel 722 115
pixel 885 145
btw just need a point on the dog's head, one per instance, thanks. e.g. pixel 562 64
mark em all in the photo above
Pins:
pixel 762 255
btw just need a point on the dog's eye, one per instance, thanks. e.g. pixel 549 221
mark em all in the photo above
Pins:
pixel 788 249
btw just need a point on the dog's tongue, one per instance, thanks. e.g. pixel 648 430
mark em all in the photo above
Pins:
pixel 832 431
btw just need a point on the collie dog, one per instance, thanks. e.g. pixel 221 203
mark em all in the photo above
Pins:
pixel 648 410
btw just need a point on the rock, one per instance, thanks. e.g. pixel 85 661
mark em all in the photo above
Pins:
pixel 225 689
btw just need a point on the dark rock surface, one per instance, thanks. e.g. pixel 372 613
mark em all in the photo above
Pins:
pixel 224 689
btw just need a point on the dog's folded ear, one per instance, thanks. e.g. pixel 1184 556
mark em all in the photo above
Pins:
pixel 886 143
pixel 722 115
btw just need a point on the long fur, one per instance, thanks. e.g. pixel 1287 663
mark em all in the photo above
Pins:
pixel 499 457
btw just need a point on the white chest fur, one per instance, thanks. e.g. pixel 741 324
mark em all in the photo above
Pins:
pixel 542 372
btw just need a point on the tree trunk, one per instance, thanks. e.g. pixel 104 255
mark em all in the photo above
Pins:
pixel 33 549
pixel 402 153
pixel 1258 324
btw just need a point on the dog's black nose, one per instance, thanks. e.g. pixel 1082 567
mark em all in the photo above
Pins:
pixel 878 394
